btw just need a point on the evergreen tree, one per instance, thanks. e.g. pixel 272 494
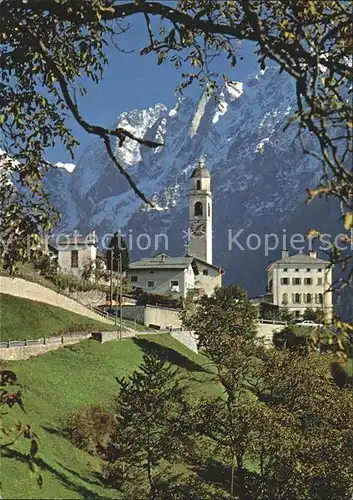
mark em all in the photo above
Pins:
pixel 153 429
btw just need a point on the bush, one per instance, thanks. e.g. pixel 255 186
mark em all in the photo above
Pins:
pixel 90 428
pixel 288 338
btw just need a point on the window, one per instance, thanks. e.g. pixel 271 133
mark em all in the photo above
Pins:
pixel 308 270
pixel 198 185
pixel 296 281
pixel 308 298
pixel 150 284
pixel 319 270
pixel 284 281
pixel 209 210
pixel 285 270
pixel 133 279
pixel 296 298
pixel 308 281
pixel 285 298
pixel 297 270
pixel 320 298
pixel 74 258
pixel 205 272
pixel 198 208
pixel 297 314
pixel 151 271
pixel 319 281
pixel 174 283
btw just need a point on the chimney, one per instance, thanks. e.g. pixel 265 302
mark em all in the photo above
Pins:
pixel 313 254
pixel 285 254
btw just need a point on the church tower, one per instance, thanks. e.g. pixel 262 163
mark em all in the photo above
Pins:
pixel 200 215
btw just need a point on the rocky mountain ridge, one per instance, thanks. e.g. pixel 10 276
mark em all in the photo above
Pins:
pixel 259 176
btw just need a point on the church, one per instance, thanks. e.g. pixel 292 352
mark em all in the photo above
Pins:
pixel 191 273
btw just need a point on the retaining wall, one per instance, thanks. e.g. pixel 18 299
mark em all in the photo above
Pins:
pixel 186 338
pixel 266 330
pixel 162 316
pixel 134 313
pixel 25 352
pixel 32 291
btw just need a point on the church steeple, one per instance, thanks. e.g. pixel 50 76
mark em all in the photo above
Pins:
pixel 200 214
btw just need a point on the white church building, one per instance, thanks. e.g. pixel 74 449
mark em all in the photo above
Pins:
pixel 195 271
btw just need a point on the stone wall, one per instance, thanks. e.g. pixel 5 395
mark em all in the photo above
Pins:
pixel 91 298
pixel 25 352
pixel 266 331
pixel 105 336
pixel 186 338
pixel 162 316
pixel 133 313
pixel 32 291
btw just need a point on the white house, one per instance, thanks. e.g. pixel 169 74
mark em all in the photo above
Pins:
pixel 175 275
pixel 76 253
pixel 301 281
pixel 194 271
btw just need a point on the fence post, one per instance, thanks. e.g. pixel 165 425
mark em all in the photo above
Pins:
pixel 25 342
pixel 8 343
pixel 62 339
pixel 44 340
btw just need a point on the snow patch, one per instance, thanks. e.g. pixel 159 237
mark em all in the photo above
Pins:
pixel 261 146
pixel 69 167
pixel 234 90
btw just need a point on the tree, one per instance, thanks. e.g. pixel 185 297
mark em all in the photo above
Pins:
pixel 285 314
pixel 311 456
pixel 221 319
pixel 226 327
pixel 153 428
pixel 118 246
pixel 317 315
pixel 49 45
pixel 284 420
pixel 269 407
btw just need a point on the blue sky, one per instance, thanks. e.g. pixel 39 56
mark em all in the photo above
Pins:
pixel 132 81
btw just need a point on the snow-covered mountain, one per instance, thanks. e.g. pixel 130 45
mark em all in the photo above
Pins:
pixel 259 175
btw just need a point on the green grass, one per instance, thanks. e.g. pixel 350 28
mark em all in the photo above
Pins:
pixel 27 319
pixel 57 383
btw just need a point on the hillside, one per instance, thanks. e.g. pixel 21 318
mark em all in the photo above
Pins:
pixel 57 383
pixel 27 319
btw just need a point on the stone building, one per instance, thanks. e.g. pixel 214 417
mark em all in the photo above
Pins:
pixel 301 281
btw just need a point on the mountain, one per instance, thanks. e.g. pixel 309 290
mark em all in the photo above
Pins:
pixel 259 176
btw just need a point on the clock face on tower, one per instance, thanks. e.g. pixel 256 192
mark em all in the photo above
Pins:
pixel 198 228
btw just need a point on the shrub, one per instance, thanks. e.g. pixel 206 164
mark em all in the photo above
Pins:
pixel 90 428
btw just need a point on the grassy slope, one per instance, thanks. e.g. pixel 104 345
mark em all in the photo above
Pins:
pixel 57 383
pixel 27 319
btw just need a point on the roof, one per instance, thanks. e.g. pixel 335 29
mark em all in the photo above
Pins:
pixel 299 258
pixel 163 261
pixel 200 172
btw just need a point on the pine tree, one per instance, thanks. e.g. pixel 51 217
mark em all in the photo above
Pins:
pixel 153 429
